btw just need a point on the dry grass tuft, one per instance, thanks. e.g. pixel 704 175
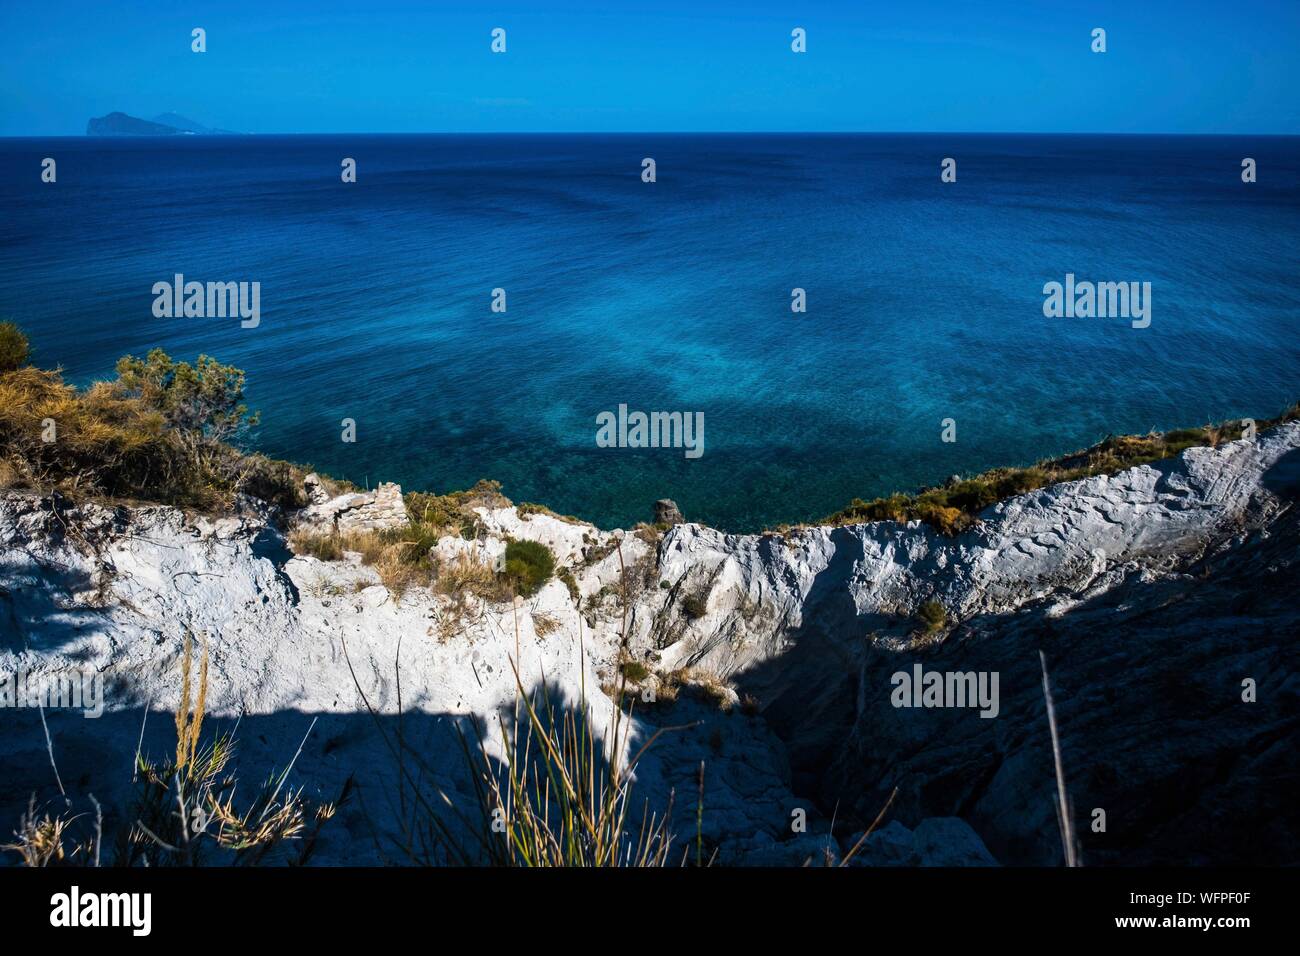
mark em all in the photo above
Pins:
pixel 545 624
pixel 184 812
pixel 399 556
pixel 467 576
pixel 40 842
pixel 323 547
pixel 189 723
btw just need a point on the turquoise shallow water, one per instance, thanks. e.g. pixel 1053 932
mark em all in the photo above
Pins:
pixel 924 299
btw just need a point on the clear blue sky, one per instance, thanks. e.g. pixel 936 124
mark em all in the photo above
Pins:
pixel 612 65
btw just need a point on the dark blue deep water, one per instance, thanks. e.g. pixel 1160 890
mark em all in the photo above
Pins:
pixel 924 299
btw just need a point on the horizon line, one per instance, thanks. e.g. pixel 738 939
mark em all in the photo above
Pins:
pixel 655 132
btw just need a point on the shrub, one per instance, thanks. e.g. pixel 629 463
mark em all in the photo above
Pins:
pixel 14 350
pixel 529 565
pixel 972 495
pixel 157 433
pixel 634 671
pixel 271 480
pixel 1019 481
pixel 527 508
pixel 104 443
pixel 201 403
pixel 695 606
pixel 442 511
pixel 400 556
pixel 949 521
pixel 453 513
pixel 932 616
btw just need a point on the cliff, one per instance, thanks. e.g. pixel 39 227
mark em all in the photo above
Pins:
pixel 1153 593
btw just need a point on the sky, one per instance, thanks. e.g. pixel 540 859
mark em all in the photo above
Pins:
pixel 1186 66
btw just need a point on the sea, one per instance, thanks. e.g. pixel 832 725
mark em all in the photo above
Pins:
pixel 923 348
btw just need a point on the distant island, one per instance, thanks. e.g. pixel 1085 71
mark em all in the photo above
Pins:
pixel 165 124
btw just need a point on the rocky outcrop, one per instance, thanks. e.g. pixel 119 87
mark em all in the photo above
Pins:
pixel 666 512
pixel 378 510
pixel 1158 595
pixel 937 841
pixel 120 124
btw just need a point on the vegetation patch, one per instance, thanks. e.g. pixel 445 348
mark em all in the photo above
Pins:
pixel 569 581
pixel 932 617
pixel 545 624
pixel 400 556
pixel 952 508
pixel 170 432
pixel 529 565
pixel 527 508
pixel 161 431
pixel 184 811
pixel 453 513
pixel 14 349
pixel 635 671
pixel 695 605
pixel 322 547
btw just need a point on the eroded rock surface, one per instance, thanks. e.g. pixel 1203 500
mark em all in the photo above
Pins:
pixel 1153 593
pixel 378 510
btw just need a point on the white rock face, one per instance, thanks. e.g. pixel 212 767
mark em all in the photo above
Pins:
pixel 806 626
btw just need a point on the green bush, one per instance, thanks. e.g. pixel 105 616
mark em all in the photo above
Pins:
pixel 529 565
pixel 203 403
pixel 14 349
pixel 932 616
pixel 695 605
pixel 971 495
pixel 634 671
pixel 945 520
